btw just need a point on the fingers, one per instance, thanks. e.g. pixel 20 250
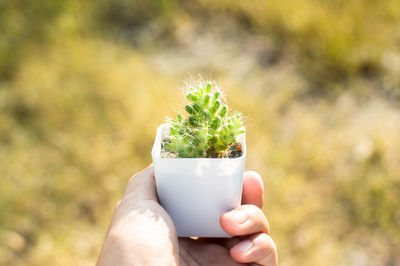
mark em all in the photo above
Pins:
pixel 244 220
pixel 141 186
pixel 253 189
pixel 259 248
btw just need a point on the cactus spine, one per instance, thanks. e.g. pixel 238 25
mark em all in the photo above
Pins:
pixel 208 130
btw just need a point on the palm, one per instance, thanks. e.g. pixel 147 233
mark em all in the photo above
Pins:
pixel 204 252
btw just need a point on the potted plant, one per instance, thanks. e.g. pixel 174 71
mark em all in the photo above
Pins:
pixel 199 162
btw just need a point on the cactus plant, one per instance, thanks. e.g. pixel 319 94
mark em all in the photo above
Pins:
pixel 210 133
pixel 209 130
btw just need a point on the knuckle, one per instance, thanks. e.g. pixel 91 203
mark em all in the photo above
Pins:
pixel 266 243
pixel 251 210
pixel 262 240
pixel 258 217
pixel 144 172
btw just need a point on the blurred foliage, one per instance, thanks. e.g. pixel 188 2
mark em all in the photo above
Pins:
pixel 18 31
pixel 334 40
pixel 83 86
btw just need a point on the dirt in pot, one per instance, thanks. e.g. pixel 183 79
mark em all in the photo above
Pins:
pixel 165 153
pixel 234 151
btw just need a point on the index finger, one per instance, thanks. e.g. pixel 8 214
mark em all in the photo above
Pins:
pixel 253 189
pixel 142 186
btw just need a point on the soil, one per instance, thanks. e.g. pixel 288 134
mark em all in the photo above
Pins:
pixel 165 153
pixel 234 151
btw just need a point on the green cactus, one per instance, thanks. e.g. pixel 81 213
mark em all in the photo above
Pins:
pixel 208 130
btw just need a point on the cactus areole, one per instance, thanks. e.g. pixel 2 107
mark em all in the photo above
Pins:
pixel 208 130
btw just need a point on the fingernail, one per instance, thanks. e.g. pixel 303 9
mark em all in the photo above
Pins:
pixel 239 216
pixel 245 246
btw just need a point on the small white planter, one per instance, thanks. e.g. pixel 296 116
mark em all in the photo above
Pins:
pixel 196 191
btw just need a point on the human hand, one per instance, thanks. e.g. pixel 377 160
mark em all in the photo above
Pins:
pixel 142 232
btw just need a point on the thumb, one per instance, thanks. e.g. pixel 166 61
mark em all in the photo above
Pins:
pixel 142 186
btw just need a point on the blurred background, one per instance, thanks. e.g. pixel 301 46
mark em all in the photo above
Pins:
pixel 84 85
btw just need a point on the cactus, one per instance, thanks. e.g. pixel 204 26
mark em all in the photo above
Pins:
pixel 209 130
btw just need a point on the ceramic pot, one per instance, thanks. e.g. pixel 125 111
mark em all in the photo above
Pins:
pixel 196 191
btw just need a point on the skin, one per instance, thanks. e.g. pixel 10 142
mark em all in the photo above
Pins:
pixel 142 233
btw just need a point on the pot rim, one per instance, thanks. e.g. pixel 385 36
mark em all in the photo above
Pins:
pixel 161 130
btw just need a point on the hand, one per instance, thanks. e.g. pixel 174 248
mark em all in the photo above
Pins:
pixel 142 232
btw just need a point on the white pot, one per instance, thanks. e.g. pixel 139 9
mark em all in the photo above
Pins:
pixel 196 191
